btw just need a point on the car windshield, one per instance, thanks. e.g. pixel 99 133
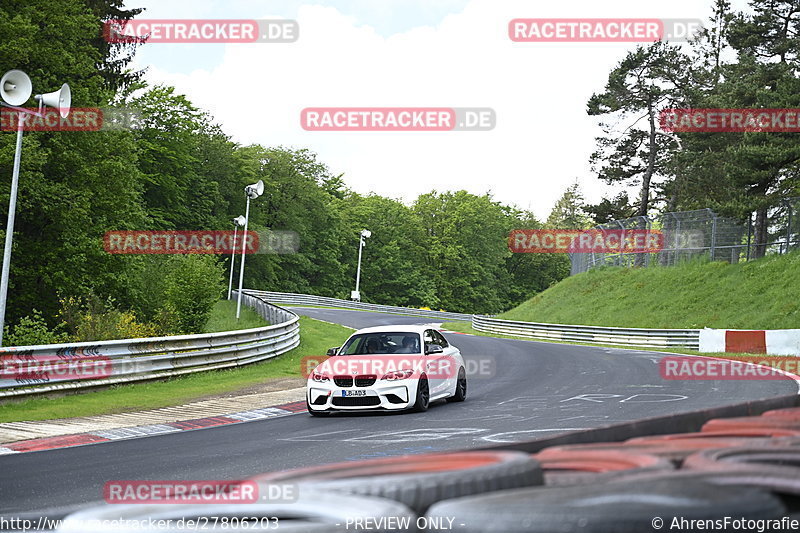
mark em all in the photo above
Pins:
pixel 382 343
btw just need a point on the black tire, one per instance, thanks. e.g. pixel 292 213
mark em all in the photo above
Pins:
pixel 423 399
pixel 315 413
pixel 417 481
pixel 461 387
pixel 311 512
pixel 606 507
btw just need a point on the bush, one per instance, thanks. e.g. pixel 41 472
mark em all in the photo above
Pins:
pixel 32 330
pixel 193 284
pixel 95 320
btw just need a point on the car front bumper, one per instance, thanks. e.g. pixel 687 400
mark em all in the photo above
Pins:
pixel 383 395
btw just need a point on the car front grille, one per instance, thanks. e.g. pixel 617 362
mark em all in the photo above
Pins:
pixel 343 381
pixel 356 401
pixel 365 381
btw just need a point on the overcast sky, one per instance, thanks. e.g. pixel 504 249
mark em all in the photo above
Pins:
pixel 411 53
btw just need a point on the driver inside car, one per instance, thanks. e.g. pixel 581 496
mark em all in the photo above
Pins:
pixel 409 345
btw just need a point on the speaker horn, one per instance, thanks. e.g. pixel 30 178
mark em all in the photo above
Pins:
pixel 60 99
pixel 255 190
pixel 239 221
pixel 15 87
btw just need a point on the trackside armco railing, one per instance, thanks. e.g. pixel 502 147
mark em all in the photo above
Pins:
pixel 681 338
pixel 128 360
pixel 674 338
pixel 289 298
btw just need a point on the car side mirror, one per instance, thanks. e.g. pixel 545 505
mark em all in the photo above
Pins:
pixel 333 351
pixel 433 348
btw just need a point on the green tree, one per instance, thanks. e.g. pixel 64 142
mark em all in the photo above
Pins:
pixel 646 81
pixel 569 213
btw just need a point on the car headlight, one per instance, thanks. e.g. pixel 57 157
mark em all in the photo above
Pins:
pixel 319 378
pixel 398 374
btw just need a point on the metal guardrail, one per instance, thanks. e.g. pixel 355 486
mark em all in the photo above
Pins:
pixel 679 338
pixel 289 298
pixel 674 338
pixel 127 360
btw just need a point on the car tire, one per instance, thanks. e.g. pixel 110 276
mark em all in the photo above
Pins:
pixel 605 507
pixel 461 387
pixel 314 413
pixel 417 481
pixel 311 512
pixel 423 398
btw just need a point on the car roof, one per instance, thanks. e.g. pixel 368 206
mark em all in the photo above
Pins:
pixel 404 328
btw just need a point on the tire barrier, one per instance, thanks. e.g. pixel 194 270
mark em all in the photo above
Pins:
pixel 310 513
pixel 751 470
pixel 417 480
pixel 790 413
pixel 606 508
pixel 780 483
pixel 769 459
pixel 92 364
pixel 750 422
pixel 565 465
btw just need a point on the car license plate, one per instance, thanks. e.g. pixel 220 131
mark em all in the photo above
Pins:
pixel 349 393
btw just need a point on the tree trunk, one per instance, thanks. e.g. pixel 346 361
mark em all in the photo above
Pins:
pixel 644 202
pixel 651 163
pixel 760 234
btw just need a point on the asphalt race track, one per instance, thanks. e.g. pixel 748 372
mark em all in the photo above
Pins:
pixel 537 389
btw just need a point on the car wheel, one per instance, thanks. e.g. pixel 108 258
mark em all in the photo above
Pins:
pixel 314 413
pixel 461 387
pixel 423 396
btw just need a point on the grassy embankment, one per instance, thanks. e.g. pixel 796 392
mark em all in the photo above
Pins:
pixel 762 294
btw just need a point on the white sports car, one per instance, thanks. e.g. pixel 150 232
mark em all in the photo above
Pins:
pixel 388 368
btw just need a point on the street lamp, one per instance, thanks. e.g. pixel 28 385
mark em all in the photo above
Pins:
pixel 365 234
pixel 252 192
pixel 237 222
pixel 15 90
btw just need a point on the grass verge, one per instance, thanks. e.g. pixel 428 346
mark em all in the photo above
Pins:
pixel 760 294
pixel 315 338
pixel 223 318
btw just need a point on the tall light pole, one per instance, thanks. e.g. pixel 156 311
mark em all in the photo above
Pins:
pixel 238 221
pixel 15 90
pixel 252 192
pixel 365 234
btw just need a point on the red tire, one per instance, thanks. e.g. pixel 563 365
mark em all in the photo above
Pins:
pixel 790 413
pixel 568 465
pixel 766 459
pixel 752 422
pixel 605 508
pixel 783 483
pixel 418 480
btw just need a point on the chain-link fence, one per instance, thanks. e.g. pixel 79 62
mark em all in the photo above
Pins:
pixel 691 234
